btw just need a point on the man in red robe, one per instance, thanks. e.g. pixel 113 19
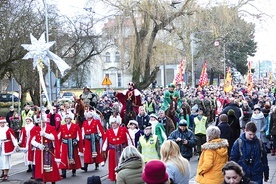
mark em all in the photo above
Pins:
pixel 116 139
pixel 92 132
pixel 131 95
pixel 47 152
pixel 71 146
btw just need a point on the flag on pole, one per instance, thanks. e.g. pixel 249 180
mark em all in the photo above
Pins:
pixel 270 77
pixel 180 72
pixel 228 82
pixel 249 79
pixel 203 80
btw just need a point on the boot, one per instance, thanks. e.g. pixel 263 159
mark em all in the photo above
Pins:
pixel 33 173
pixel 273 152
pixel 2 175
pixel 96 166
pixel 84 167
pixel 73 172
pixel 29 168
pixel 63 173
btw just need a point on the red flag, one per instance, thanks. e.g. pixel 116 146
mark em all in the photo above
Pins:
pixel 203 80
pixel 179 76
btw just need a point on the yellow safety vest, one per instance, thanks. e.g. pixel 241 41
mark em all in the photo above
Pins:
pixel 200 125
pixel 148 150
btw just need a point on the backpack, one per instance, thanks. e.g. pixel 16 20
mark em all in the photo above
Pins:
pixel 240 145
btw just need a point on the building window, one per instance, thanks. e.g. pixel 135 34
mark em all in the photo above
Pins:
pixel 119 80
pixel 107 57
pixel 117 57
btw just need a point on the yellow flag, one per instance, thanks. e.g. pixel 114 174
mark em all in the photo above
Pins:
pixel 228 82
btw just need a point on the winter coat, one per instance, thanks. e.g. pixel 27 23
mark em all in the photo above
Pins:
pixel 212 159
pixel 235 127
pixel 272 125
pixel 186 150
pixel 260 122
pixel 226 133
pixel 130 171
pixel 251 149
pixel 143 121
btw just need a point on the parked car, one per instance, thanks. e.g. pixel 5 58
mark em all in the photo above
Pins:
pixel 6 97
pixel 68 96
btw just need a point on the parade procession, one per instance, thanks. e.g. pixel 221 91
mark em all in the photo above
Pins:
pixel 137 92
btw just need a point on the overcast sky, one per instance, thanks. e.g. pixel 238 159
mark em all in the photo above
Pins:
pixel 265 28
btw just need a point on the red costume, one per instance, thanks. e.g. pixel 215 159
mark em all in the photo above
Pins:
pixel 46 140
pixel 132 95
pixel 114 143
pixel 71 145
pixel 54 120
pixel 92 132
pixel 24 142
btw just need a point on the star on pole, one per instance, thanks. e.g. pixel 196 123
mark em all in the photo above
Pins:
pixel 39 50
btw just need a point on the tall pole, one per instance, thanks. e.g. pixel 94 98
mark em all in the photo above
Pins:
pixel 192 55
pixel 224 61
pixel 47 40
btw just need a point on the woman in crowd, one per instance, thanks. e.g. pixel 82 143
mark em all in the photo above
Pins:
pixel 214 156
pixel 272 130
pixel 134 132
pixel 177 167
pixel 233 174
pixel 15 124
pixel 130 167
pixel 155 173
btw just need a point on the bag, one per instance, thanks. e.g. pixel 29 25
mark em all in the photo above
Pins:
pixel 94 180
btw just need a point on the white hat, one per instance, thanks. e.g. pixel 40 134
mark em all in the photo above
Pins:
pixel 90 114
pixel 133 122
pixel 68 115
pixel 2 120
pixel 113 119
pixel 29 118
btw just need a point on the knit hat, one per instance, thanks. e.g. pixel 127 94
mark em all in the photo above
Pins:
pixel 29 118
pixel 195 108
pixel 182 122
pixel 155 172
pixel 231 112
pixel 69 115
pixel 257 107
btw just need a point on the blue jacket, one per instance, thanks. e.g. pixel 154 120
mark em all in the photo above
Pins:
pixel 186 150
pixel 256 168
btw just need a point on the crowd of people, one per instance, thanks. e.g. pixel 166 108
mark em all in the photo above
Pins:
pixel 230 133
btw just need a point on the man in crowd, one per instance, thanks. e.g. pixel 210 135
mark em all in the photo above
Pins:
pixel 167 122
pixel 92 132
pixel 250 153
pixel 169 94
pixel 71 146
pixel 184 138
pixel 47 152
pixel 130 96
pixel 116 139
pixel 9 115
pixel 142 118
pixel 200 123
pixel 88 97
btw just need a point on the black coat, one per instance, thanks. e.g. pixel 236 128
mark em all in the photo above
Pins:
pixel 235 107
pixel 226 133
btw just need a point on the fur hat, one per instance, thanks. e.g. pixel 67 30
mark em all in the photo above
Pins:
pixel 154 116
pixel 133 122
pixel 29 118
pixel 2 120
pixel 68 115
pixel 155 172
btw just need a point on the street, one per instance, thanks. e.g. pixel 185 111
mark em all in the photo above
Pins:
pixel 18 173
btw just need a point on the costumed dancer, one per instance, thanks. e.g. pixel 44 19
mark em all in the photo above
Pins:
pixel 8 144
pixel 71 146
pixel 116 139
pixel 92 132
pixel 46 147
pixel 24 141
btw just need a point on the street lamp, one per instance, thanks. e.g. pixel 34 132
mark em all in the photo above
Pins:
pixel 192 52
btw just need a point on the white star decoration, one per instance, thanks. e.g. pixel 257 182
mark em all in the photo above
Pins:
pixel 39 49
